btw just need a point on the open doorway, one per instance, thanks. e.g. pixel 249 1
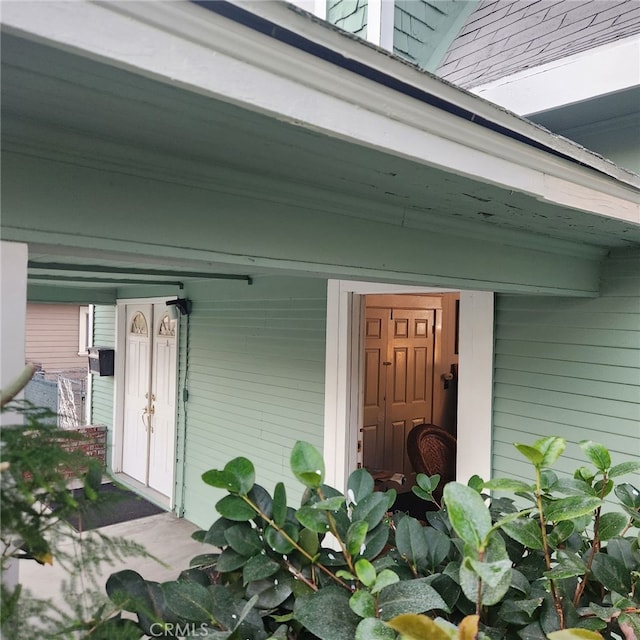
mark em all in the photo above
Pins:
pixel 344 378
pixel 410 372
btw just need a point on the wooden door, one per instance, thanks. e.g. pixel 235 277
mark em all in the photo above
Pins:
pixel 376 330
pixel 399 354
pixel 409 388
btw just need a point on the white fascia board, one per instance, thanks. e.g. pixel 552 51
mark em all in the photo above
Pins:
pixel 184 45
pixel 600 71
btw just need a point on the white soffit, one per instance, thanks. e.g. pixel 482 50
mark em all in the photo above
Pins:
pixel 181 44
pixel 606 69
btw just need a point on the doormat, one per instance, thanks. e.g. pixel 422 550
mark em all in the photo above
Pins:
pixel 114 504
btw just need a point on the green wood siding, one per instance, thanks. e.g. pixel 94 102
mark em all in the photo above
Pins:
pixel 255 381
pixel 102 387
pixel 571 368
pixel 350 15
pixel 423 30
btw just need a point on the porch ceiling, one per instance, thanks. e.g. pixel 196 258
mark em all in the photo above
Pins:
pixel 82 112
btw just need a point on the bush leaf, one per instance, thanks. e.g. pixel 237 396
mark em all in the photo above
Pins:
pixel 366 572
pixel 530 453
pixel 359 485
pixel 468 514
pixel 313 519
pixel 409 596
pixel 243 539
pixel 279 504
pixel 414 626
pixel 363 603
pixel 570 508
pixel 374 629
pixel 611 524
pixel 411 541
pixel 508 484
pixel 598 454
pixel 628 495
pixel 238 476
pixel 551 449
pixel 371 509
pixel 188 600
pixel 611 573
pixel 524 531
pixel 623 468
pixel 574 634
pixel 327 614
pixel 235 508
pixel 259 567
pixel 307 464
pixel 356 535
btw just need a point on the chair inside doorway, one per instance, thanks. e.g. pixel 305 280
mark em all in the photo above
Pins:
pixel 432 450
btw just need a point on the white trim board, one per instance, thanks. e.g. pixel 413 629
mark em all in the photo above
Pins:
pixel 380 18
pixel 606 69
pixel 343 399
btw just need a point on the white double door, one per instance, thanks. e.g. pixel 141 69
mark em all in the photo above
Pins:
pixel 148 447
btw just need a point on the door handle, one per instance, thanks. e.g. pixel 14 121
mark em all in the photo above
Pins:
pixel 147 413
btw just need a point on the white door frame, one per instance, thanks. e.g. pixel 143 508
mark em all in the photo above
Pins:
pixel 118 432
pixel 344 377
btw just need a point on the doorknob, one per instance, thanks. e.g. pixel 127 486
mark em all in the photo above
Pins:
pixel 448 376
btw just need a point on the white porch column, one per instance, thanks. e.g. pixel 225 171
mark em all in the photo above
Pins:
pixel 13 309
pixel 13 313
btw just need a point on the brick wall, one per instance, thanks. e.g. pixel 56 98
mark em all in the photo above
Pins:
pixel 94 445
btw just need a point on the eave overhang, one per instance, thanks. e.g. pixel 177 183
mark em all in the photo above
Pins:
pixel 120 33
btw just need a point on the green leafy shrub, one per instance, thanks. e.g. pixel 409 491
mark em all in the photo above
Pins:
pixel 342 568
pixel 36 460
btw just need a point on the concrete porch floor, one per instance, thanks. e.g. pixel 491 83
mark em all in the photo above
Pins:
pixel 163 535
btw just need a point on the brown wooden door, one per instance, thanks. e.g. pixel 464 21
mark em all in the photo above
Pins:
pixel 398 383
pixel 375 380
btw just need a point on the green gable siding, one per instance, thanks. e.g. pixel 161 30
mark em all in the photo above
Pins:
pixel 255 381
pixel 423 30
pixel 571 368
pixel 102 387
pixel 350 15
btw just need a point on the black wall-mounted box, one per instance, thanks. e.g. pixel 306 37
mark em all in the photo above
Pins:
pixel 101 360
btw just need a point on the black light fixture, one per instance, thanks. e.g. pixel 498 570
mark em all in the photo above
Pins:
pixel 182 304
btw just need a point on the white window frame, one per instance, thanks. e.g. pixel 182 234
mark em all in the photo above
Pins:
pixel 85 324
pixel 344 379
